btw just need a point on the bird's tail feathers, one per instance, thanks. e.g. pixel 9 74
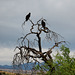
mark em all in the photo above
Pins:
pixel 23 24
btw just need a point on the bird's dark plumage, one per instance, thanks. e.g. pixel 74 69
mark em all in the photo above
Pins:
pixel 28 16
pixel 43 24
pixel 26 19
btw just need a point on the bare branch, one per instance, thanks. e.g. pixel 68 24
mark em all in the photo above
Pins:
pixel 27 53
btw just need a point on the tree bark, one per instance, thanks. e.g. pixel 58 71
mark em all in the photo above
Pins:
pixel 39 42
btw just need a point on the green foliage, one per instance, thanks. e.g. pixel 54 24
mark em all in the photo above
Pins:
pixel 63 63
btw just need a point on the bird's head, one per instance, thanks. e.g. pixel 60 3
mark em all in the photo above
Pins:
pixel 29 13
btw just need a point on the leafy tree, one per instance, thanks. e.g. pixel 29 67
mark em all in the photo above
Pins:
pixel 63 63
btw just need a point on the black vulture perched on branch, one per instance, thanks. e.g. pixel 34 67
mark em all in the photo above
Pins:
pixel 27 17
pixel 43 24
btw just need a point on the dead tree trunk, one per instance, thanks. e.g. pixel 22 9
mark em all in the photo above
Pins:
pixel 28 54
pixel 39 42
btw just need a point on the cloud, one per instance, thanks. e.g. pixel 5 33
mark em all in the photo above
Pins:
pixel 7 54
pixel 60 15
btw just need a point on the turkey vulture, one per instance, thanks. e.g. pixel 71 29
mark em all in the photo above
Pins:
pixel 28 16
pixel 43 24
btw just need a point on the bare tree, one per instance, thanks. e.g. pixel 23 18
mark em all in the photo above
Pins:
pixel 28 53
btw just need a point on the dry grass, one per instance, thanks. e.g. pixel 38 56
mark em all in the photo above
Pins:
pixel 9 73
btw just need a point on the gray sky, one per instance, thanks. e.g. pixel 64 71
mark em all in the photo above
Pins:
pixel 60 15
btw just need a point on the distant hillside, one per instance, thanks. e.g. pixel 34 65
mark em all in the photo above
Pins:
pixel 5 67
pixel 28 66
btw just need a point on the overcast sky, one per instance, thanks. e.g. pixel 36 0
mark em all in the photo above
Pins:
pixel 60 15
